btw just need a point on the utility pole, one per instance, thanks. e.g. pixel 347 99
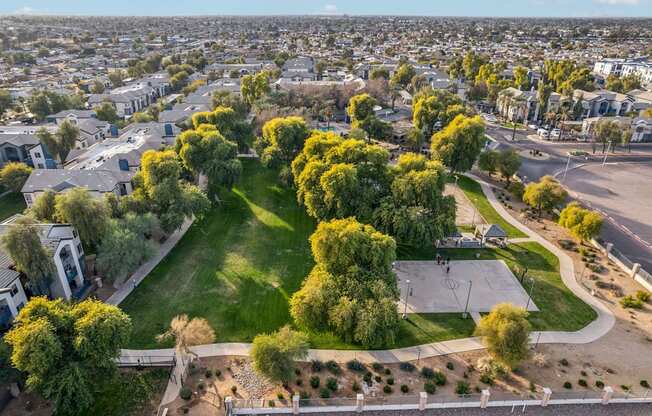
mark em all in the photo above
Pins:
pixel 604 161
pixel 529 296
pixel 566 170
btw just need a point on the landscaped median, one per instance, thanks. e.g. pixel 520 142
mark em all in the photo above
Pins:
pixel 239 266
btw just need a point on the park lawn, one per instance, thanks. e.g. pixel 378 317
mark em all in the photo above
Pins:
pixel 559 308
pixel 237 267
pixel 11 204
pixel 473 191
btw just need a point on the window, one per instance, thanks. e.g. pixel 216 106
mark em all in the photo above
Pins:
pixel 14 290
pixel 28 198
pixel 40 166
pixel 74 233
pixel 37 154
pixel 80 250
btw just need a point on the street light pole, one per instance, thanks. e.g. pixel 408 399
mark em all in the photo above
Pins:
pixel 566 170
pixel 468 297
pixel 529 296
pixel 407 293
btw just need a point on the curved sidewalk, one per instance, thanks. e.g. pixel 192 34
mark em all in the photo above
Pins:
pixel 593 331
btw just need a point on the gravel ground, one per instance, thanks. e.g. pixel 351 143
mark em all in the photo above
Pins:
pixel 559 410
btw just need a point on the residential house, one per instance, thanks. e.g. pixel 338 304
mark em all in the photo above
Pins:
pixel 517 105
pixel 299 69
pixel 97 182
pixel 68 281
pixel 136 96
pixel 73 116
pixel 641 130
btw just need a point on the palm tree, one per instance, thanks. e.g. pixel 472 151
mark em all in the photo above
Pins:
pixel 564 114
pixel 188 333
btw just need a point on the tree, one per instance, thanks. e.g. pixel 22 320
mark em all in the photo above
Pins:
pixel 254 87
pixel 230 100
pixel 125 244
pixel 97 87
pixel 380 72
pixel 460 143
pixel 66 347
pixel 608 133
pixel 506 333
pixel 544 195
pixel 13 176
pixel 188 333
pixel 416 212
pixel 163 193
pixel 61 142
pixel 274 355
pixel 23 244
pixel 582 223
pixel 43 103
pixel 43 208
pixel 106 112
pixel 87 214
pixel 488 161
pixel 352 290
pixel 360 108
pixel 415 139
pixel 437 106
pixel 282 140
pixel 178 81
pixel 116 78
pixel 403 75
pixel 206 151
pixel 6 101
pixel 508 163
pixel 521 80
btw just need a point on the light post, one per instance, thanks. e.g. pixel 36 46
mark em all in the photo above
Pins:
pixel 407 293
pixel 566 170
pixel 529 296
pixel 468 298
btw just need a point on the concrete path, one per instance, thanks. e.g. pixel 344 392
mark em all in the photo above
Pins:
pixel 593 331
pixel 145 269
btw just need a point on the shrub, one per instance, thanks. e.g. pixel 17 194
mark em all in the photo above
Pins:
pixel 643 295
pixel 299 382
pixel 390 381
pixel 208 373
pixel 280 396
pixel 631 302
pixel 599 384
pixel 271 403
pixel 297 372
pixel 533 387
pixel 355 387
pixel 324 393
pixel 404 388
pixel 355 365
pixel 304 395
pixel 487 379
pixel 234 389
pixel 429 387
pixel 407 367
pixel 333 367
pixel 387 389
pixel 428 373
pixel 517 189
pixel 645 384
pixel 316 366
pixel 462 387
pixel 564 362
pixel 378 379
pixel 218 373
pixel 540 360
pixel 582 382
pixel 314 382
pixel 439 378
pixel 388 371
pixel 378 367
pixel 185 393
pixel 568 385
pixel 331 383
pixel 450 366
pixel 367 378
pixel 201 386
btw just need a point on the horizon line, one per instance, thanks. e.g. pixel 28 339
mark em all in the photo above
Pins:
pixel 44 14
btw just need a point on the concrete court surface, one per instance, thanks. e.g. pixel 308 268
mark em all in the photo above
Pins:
pixel 434 291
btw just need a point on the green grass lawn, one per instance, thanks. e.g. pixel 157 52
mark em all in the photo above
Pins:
pixel 11 204
pixel 473 191
pixel 559 308
pixel 240 265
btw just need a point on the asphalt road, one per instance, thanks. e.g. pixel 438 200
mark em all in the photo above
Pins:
pixel 555 164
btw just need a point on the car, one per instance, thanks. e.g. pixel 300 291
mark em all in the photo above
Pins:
pixel 543 132
pixel 489 118
pixel 555 133
pixel 533 126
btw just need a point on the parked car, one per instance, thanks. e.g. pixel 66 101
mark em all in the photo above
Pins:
pixel 533 126
pixel 555 133
pixel 543 132
pixel 489 118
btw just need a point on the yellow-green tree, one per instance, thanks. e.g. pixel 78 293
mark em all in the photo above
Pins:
pixel 274 355
pixel 460 143
pixel 544 195
pixel 282 140
pixel 65 348
pixel 584 224
pixel 253 87
pixel 14 175
pixel 506 333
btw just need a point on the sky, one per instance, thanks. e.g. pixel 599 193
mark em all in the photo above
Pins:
pixel 510 8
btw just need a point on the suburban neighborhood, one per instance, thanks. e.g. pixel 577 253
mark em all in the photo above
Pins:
pixel 340 210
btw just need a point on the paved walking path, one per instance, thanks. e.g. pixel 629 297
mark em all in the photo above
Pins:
pixel 145 269
pixel 593 331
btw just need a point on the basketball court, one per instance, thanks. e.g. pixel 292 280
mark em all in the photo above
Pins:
pixel 432 290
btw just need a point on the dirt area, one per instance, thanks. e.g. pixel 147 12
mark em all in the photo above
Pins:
pixel 466 214
pixel 622 357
